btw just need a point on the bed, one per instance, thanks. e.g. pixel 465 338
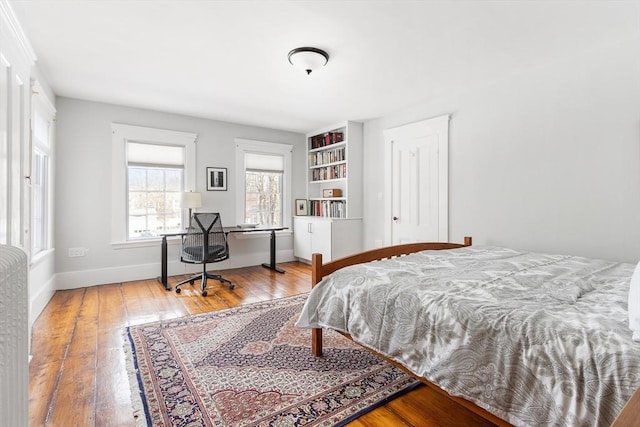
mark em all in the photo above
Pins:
pixel 520 338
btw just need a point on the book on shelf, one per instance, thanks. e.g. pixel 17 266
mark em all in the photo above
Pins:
pixel 324 157
pixel 329 172
pixel 329 208
pixel 327 138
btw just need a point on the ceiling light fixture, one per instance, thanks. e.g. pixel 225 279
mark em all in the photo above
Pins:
pixel 308 58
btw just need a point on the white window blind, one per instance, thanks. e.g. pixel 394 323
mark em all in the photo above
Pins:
pixel 154 154
pixel 259 162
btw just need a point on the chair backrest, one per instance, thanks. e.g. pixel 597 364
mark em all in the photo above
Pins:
pixel 205 240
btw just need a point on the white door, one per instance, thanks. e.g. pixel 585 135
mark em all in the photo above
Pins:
pixel 418 182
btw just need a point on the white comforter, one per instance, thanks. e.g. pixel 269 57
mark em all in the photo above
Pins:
pixel 536 339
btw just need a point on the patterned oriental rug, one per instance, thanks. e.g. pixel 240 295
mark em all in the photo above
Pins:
pixel 250 366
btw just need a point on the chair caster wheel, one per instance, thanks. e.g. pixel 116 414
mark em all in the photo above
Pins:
pixel 204 293
pixel 191 282
pixel 178 290
pixel 231 286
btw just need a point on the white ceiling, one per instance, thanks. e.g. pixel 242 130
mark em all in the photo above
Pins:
pixel 227 60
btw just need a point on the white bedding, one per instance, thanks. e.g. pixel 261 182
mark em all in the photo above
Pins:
pixel 535 339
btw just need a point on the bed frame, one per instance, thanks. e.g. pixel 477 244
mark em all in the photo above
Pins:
pixel 319 270
pixel 628 417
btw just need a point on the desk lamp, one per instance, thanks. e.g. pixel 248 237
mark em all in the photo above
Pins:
pixel 191 201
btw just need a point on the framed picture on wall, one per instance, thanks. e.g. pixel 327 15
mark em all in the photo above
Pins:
pixel 302 207
pixel 217 179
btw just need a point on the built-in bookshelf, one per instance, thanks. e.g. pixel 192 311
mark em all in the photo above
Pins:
pixel 333 224
pixel 335 166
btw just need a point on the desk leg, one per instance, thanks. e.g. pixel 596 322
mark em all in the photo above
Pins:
pixel 163 272
pixel 272 254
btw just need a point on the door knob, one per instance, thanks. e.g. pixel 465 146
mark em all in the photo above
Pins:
pixel 395 218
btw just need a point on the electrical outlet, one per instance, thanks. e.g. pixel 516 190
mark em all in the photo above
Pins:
pixel 77 252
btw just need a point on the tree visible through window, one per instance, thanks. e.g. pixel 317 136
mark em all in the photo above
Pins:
pixel 154 201
pixel 155 181
pixel 263 183
pixel 263 203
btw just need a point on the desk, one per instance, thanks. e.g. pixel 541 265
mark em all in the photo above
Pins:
pixel 272 249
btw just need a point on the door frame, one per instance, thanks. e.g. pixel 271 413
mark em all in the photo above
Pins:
pixel 441 123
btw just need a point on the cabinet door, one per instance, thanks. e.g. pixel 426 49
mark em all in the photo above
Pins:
pixel 301 238
pixel 321 239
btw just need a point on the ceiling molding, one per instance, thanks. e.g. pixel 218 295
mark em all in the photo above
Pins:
pixel 15 29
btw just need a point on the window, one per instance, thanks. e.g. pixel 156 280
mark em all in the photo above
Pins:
pixel 155 180
pixel 152 167
pixel 264 177
pixel 41 127
pixel 39 191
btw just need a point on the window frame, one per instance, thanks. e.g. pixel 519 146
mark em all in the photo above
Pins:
pixel 43 107
pixel 40 184
pixel 121 134
pixel 270 148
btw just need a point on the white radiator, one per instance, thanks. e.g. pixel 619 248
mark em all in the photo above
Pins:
pixel 14 339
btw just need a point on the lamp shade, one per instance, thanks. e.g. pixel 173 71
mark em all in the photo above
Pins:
pixel 308 58
pixel 191 200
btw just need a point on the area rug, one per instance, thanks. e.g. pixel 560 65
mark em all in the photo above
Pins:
pixel 250 366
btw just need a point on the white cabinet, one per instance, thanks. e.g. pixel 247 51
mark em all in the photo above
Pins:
pixel 333 238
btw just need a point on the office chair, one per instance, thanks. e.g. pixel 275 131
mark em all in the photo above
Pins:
pixel 204 242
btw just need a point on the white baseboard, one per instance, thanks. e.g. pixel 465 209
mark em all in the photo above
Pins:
pixel 40 300
pixel 83 278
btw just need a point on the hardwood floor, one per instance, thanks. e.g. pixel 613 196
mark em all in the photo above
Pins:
pixel 77 376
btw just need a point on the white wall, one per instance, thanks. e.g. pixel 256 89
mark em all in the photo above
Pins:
pixel 83 191
pixel 547 159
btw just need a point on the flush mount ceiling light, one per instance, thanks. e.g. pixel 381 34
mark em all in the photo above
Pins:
pixel 308 58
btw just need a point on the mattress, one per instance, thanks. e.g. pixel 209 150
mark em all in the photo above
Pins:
pixel 536 339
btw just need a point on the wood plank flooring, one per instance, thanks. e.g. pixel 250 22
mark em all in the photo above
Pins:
pixel 77 376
